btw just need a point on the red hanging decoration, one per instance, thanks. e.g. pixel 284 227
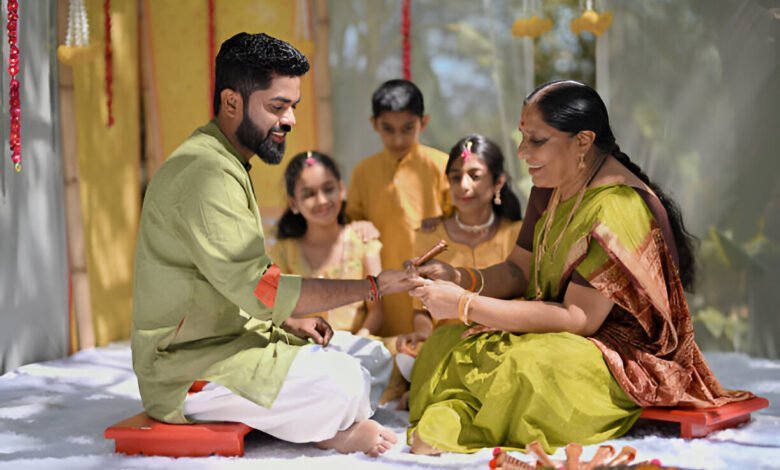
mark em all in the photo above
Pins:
pixel 212 53
pixel 406 27
pixel 15 104
pixel 109 67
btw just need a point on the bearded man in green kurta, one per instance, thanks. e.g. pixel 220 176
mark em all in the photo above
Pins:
pixel 209 304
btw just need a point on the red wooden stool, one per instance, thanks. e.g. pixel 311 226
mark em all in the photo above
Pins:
pixel 141 434
pixel 699 422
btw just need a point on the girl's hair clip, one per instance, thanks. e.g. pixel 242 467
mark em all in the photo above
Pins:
pixel 466 153
pixel 309 159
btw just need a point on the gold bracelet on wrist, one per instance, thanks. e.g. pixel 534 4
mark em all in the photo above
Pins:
pixel 469 297
pixel 473 278
pixel 481 280
pixel 461 305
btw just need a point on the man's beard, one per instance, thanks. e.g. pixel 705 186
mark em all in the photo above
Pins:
pixel 251 137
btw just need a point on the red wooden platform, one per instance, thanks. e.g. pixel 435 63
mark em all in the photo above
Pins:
pixel 141 434
pixel 699 422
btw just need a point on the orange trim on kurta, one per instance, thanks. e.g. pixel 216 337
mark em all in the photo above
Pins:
pixel 266 289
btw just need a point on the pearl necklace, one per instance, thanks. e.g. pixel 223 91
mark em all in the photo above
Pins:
pixel 476 228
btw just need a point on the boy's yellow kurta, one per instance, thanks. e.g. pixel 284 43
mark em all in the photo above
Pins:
pixel 396 195
pixel 200 255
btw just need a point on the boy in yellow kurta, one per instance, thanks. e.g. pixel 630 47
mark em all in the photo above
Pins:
pixel 398 187
pixel 209 304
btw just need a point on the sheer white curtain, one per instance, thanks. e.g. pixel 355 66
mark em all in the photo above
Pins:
pixel 695 100
pixel 464 59
pixel 694 96
pixel 33 264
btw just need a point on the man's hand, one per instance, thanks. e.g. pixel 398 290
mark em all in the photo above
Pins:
pixel 392 281
pixel 315 328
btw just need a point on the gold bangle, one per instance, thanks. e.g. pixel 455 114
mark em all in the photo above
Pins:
pixel 473 277
pixel 481 280
pixel 461 304
pixel 469 298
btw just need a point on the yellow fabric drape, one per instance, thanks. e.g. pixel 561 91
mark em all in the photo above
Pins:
pixel 179 44
pixel 109 162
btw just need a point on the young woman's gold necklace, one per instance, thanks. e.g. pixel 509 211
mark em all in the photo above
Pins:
pixel 541 247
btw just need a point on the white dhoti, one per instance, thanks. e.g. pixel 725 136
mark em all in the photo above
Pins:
pixel 326 391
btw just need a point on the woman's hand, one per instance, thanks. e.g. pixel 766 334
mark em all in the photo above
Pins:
pixel 315 328
pixel 392 281
pixel 410 343
pixel 365 230
pixel 440 298
pixel 436 270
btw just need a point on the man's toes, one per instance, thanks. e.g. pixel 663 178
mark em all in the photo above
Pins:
pixel 389 435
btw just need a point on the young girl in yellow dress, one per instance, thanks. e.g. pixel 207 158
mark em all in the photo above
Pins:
pixel 314 240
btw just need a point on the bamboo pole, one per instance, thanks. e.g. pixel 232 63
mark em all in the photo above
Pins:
pixel 321 72
pixel 153 151
pixel 77 259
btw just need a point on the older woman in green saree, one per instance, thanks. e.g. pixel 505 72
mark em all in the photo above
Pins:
pixel 585 322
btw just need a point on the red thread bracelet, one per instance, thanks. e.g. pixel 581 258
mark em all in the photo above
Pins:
pixel 374 295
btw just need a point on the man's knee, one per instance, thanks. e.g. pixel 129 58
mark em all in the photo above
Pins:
pixel 343 379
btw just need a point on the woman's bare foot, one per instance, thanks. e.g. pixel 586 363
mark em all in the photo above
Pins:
pixel 367 436
pixel 420 447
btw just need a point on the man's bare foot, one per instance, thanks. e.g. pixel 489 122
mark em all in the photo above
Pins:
pixel 421 447
pixel 367 436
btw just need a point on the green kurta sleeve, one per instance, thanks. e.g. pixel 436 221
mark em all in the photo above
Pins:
pixel 226 242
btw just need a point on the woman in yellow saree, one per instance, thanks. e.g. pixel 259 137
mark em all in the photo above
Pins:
pixel 602 327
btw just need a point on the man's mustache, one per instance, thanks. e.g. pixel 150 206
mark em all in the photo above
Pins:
pixel 281 128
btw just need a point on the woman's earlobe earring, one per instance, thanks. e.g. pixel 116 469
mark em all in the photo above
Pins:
pixel 497 198
pixel 581 164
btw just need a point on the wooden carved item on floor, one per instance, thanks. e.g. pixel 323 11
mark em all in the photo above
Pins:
pixel 604 457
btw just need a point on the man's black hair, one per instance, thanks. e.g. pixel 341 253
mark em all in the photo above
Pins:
pixel 248 62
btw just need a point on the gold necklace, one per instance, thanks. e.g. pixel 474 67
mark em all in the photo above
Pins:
pixel 541 247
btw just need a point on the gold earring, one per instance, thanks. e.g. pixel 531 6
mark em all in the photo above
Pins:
pixel 497 198
pixel 581 164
